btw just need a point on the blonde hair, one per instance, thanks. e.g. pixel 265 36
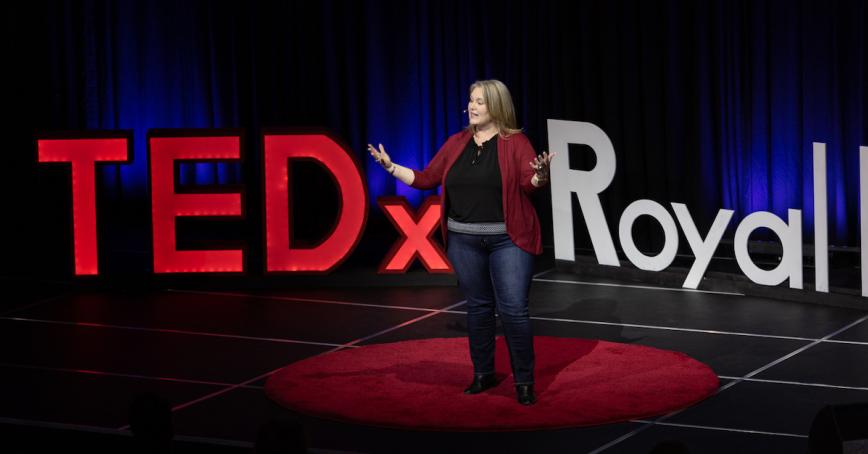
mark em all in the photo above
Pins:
pixel 499 102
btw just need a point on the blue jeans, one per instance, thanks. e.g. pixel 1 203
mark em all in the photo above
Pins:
pixel 495 273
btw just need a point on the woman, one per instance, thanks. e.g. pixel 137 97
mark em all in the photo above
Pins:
pixel 490 227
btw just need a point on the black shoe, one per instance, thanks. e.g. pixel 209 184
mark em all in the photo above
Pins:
pixel 524 394
pixel 481 383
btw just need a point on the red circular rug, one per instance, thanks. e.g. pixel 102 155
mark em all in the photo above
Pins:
pixel 419 385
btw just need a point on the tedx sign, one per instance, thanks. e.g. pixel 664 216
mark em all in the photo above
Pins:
pixel 82 153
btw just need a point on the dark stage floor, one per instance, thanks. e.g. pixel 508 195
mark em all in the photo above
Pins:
pixel 73 358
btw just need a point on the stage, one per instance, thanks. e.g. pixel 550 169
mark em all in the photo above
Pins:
pixel 205 199
pixel 91 347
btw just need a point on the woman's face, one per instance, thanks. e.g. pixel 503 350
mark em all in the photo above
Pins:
pixel 477 110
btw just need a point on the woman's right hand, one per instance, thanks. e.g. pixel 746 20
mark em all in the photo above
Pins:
pixel 381 157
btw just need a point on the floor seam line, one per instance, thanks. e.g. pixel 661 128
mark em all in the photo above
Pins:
pixel 719 428
pixel 730 384
pixel 794 383
pixel 171 331
pixel 349 344
pixel 640 287
pixel 121 375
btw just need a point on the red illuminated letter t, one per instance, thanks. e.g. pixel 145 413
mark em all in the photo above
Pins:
pixel 83 153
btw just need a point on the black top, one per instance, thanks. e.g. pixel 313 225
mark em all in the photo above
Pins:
pixel 474 192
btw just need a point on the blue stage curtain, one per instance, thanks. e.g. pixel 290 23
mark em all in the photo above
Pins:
pixel 711 103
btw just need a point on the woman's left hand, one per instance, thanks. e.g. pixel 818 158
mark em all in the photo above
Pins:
pixel 540 165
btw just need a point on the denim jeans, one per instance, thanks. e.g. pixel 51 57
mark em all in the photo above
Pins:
pixel 494 273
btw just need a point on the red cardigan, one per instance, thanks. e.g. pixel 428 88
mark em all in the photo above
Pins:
pixel 514 155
